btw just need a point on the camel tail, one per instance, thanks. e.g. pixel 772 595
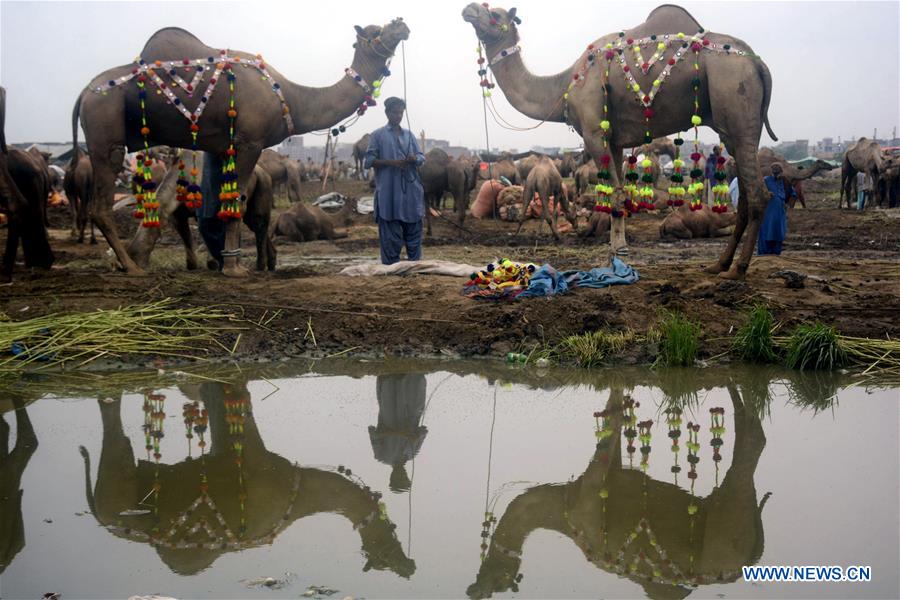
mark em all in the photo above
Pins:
pixel 75 113
pixel 767 96
pixel 88 492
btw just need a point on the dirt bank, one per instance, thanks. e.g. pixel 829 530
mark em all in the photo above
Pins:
pixel 855 254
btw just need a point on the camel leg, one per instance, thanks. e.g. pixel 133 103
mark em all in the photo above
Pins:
pixel 12 247
pixel 245 161
pixel 527 195
pixel 750 212
pixel 102 201
pixel 180 220
pixel 551 219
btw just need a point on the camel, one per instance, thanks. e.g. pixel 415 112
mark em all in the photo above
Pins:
pixel 283 171
pixel 792 174
pixel 461 176
pixel 889 182
pixel 260 201
pixel 110 120
pixel 545 181
pixel 733 97
pixel 359 155
pixel 863 155
pixel 78 185
pixel 586 177
pixel 240 494
pixel 24 187
pixel 685 224
pixel 525 165
pixel 433 174
pixel 495 170
pixel 653 532
pixel 307 223
pixel 658 147
pixel 568 163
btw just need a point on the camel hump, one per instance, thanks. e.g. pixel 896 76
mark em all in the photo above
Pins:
pixel 174 43
pixel 669 18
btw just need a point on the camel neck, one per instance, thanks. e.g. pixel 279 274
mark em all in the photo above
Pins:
pixel 315 108
pixel 539 97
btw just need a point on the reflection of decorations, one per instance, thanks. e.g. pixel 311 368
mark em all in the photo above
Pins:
pixel 629 421
pixel 236 408
pixel 487 526
pixel 644 435
pixel 717 428
pixel 673 420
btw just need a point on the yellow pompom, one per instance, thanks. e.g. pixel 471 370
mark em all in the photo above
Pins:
pixel 566 96
pixel 608 46
pixel 646 163
pixel 661 46
pixel 636 87
pixel 637 48
pixel 656 83
pixel 604 125
pixel 696 120
pixel 680 35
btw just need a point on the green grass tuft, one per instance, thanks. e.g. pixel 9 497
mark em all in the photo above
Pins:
pixel 591 349
pixel 816 347
pixel 753 341
pixel 679 340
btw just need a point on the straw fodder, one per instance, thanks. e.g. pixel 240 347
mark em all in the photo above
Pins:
pixel 73 340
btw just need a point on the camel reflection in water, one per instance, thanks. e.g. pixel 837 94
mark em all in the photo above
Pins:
pixel 655 533
pixel 231 495
pixel 12 466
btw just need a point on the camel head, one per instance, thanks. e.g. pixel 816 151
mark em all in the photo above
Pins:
pixel 382 41
pixel 493 26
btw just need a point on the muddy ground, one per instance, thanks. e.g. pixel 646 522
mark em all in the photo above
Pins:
pixel 856 255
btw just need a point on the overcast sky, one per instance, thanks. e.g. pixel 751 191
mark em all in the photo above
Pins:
pixel 834 64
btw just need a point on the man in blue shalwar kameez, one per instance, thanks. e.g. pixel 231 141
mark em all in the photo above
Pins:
pixel 399 196
pixel 774 224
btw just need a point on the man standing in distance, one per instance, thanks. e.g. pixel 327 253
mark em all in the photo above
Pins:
pixel 399 197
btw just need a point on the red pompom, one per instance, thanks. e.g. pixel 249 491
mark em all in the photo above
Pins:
pixel 610 54
pixel 590 46
pixel 672 61
pixel 626 68
pixel 706 42
pixel 604 160
pixel 629 41
pixel 695 47
pixel 720 160
pixel 645 66
pixel 695 156
pixel 646 99
pixel 648 113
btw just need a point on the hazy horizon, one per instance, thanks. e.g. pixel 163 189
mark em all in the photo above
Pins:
pixel 828 81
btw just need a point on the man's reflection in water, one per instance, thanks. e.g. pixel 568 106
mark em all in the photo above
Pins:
pixel 399 434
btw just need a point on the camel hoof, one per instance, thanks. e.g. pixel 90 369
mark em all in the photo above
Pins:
pixel 192 265
pixel 136 272
pixel 236 271
pixel 732 274
pixel 93 241
pixel 714 269
pixel 213 265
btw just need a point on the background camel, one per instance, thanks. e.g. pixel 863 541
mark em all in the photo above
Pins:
pixel 359 155
pixel 433 173
pixel 863 155
pixel 308 223
pixel 273 494
pixel 79 185
pixel 284 172
pixel 619 517
pixel 738 118
pixel 794 175
pixel 545 181
pixel 659 147
pixel 461 176
pixel 586 177
pixel 495 170
pixel 27 202
pixel 684 223
pixel 110 120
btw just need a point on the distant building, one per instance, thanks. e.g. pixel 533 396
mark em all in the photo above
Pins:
pixel 292 147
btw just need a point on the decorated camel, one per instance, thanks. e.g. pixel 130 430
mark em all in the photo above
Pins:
pixel 155 101
pixel 284 171
pixel 234 494
pixel 658 534
pixel 863 155
pixel 792 175
pixel 610 96
pixel 359 155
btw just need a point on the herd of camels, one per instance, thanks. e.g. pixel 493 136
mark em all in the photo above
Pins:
pixel 733 100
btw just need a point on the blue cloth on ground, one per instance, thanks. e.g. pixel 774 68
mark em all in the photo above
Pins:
pixel 547 281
